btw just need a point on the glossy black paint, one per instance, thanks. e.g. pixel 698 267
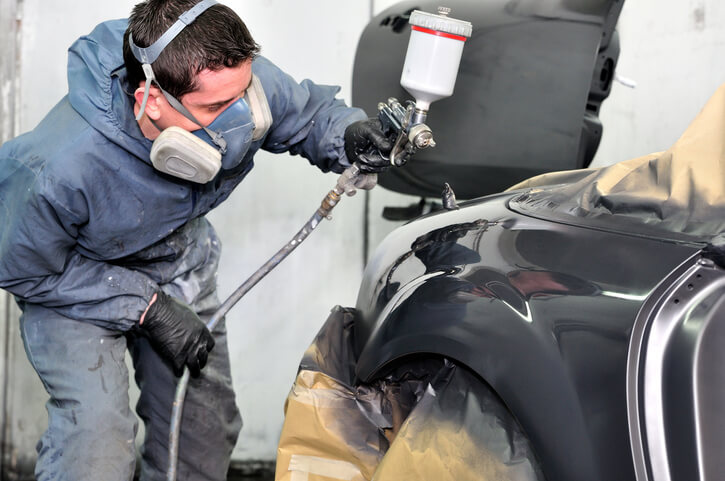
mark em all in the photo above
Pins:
pixel 541 310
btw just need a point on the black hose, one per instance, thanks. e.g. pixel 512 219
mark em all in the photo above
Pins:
pixel 178 406
pixel 347 179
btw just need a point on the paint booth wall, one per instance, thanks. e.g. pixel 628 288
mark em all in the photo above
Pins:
pixel 674 53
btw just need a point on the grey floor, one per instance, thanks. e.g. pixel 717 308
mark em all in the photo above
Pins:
pixel 268 477
pixel 238 471
pixel 251 471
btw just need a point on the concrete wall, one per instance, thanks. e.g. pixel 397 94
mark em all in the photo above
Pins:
pixel 674 53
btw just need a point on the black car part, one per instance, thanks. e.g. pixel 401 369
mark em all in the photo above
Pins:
pixel 527 98
pixel 424 418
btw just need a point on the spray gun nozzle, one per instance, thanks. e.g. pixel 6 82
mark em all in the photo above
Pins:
pixel 421 136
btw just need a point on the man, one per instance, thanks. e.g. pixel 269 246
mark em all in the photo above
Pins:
pixel 104 241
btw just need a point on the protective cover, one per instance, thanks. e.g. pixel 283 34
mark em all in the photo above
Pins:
pixel 679 193
pixel 428 419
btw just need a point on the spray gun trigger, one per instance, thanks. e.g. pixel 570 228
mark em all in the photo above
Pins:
pixel 402 150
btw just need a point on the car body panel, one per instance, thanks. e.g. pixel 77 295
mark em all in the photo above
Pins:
pixel 540 310
pixel 675 381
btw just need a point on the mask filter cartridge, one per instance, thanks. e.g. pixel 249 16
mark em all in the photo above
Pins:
pixel 181 154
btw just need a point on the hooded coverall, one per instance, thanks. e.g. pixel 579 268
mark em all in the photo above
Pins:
pixel 90 231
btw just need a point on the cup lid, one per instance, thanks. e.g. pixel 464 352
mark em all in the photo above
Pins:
pixel 441 22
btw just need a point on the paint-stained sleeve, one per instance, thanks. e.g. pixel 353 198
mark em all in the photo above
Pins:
pixel 38 262
pixel 308 119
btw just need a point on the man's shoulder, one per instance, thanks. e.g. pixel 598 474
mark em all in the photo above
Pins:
pixel 276 82
pixel 263 67
pixel 62 146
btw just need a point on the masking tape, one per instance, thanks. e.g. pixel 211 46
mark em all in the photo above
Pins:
pixel 302 466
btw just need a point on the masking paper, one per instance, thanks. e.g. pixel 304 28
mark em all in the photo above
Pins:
pixel 427 419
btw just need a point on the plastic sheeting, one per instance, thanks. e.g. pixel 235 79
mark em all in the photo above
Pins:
pixel 428 419
pixel 680 191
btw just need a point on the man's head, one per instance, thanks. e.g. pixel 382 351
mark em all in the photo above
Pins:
pixel 206 66
pixel 216 39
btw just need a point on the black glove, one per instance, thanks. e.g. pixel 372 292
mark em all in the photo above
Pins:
pixel 366 144
pixel 178 334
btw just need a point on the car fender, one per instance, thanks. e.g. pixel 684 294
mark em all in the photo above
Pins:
pixel 426 323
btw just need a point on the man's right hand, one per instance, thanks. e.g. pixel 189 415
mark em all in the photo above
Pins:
pixel 177 333
pixel 366 144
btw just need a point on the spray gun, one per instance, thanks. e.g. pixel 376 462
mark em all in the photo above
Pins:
pixel 429 74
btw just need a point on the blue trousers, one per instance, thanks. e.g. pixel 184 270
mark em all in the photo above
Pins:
pixel 91 428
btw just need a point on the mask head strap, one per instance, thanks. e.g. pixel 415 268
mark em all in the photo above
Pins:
pixel 148 55
pixel 179 107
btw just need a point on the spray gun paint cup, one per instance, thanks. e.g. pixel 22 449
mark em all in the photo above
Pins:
pixel 433 56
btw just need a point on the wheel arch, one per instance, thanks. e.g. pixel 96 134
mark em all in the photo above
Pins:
pixel 516 359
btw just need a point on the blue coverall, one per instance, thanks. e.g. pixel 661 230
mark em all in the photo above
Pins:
pixel 90 231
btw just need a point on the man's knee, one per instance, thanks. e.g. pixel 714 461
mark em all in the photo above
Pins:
pixel 87 442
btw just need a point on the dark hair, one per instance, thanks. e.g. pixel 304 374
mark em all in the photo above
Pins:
pixel 216 39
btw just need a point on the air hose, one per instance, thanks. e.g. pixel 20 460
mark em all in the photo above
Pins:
pixel 348 183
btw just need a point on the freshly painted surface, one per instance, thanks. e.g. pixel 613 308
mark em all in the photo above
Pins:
pixel 542 311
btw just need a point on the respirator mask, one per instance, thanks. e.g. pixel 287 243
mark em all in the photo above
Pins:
pixel 199 155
